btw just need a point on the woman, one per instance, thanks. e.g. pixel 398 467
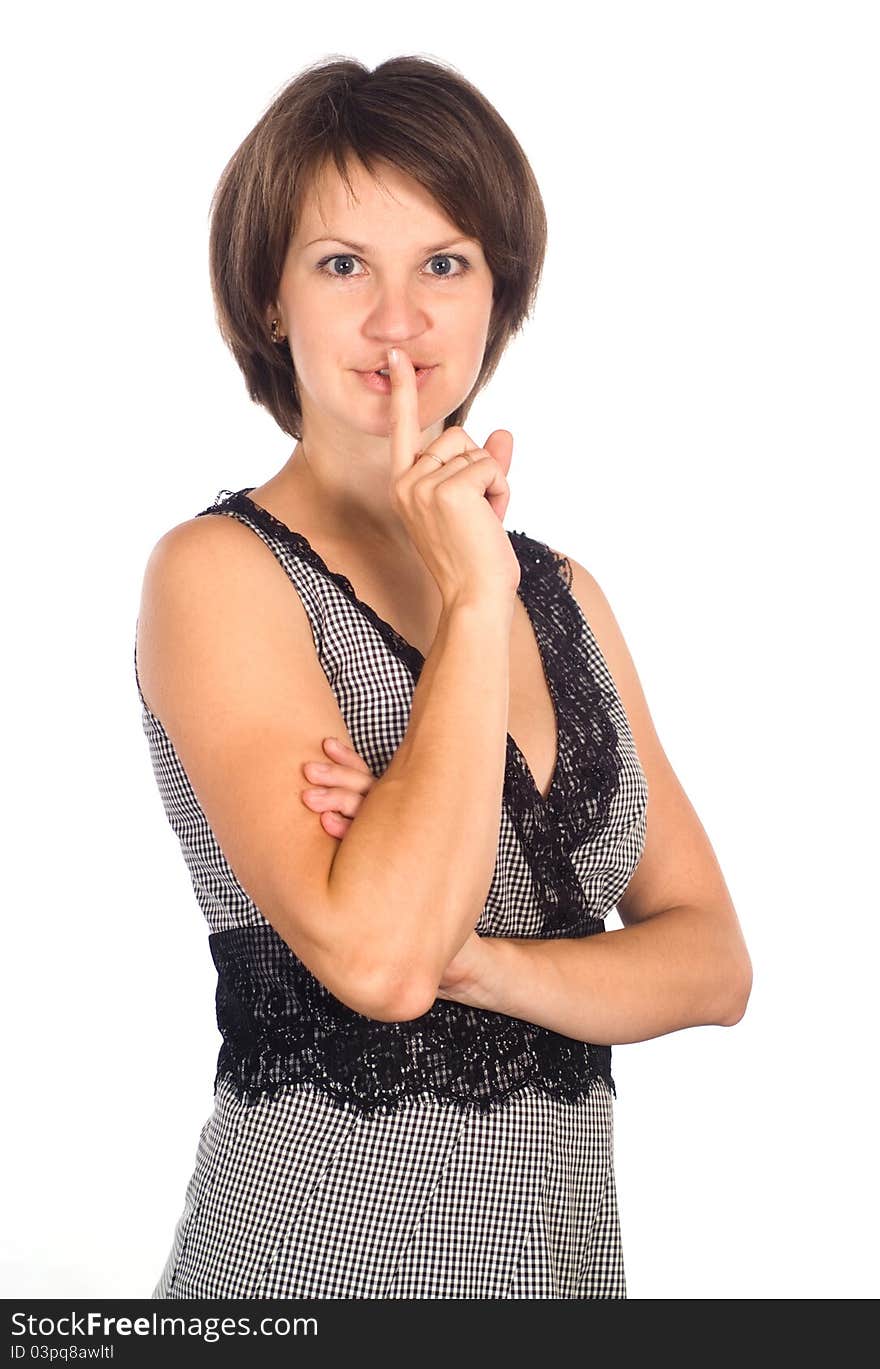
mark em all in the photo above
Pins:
pixel 413 1096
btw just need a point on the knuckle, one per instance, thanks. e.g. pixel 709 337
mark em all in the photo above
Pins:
pixel 445 492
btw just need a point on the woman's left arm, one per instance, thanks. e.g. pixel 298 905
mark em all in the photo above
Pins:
pixel 679 960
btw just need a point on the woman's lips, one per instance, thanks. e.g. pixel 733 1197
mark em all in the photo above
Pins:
pixel 382 384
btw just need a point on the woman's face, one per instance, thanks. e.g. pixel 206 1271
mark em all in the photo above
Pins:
pixel 384 269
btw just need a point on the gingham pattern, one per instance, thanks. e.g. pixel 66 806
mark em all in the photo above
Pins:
pixel 300 1196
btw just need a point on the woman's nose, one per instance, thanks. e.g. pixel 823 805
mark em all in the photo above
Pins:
pixel 396 316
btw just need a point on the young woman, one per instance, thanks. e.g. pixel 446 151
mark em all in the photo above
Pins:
pixel 413 1097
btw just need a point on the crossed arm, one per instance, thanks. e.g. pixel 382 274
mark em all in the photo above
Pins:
pixel 679 960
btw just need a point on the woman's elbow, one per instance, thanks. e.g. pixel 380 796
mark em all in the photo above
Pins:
pixel 395 1000
pixel 739 988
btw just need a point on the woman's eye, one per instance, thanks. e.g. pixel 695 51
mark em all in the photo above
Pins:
pixel 448 274
pixel 462 261
pixel 327 260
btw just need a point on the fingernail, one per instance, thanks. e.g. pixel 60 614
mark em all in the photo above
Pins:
pixel 392 356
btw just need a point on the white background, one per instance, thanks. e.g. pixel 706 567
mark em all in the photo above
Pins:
pixel 695 415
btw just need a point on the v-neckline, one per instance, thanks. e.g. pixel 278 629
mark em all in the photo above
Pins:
pixel 413 657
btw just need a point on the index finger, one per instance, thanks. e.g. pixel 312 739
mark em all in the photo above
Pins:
pixel 404 429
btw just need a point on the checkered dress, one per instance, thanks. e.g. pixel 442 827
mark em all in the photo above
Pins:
pixel 465 1154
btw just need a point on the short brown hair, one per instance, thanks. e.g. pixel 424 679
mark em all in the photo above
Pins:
pixel 421 116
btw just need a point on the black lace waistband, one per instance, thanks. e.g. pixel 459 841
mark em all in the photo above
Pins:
pixel 280 1026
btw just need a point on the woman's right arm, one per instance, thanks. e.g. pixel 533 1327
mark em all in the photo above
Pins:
pixel 227 661
pixel 412 876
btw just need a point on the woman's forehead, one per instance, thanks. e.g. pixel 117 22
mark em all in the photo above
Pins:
pixel 378 199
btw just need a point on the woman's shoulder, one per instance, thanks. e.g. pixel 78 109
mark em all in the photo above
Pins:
pixel 214 531
pixel 224 511
pixel 205 560
pixel 201 581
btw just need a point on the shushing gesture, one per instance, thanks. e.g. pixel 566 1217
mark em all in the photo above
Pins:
pixel 446 496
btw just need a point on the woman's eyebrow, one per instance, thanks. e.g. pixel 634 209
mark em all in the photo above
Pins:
pixel 360 247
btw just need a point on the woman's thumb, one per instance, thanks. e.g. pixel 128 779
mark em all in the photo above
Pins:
pixel 500 445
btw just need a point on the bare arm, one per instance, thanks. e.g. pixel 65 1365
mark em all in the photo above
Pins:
pixel 674 970
pixel 409 881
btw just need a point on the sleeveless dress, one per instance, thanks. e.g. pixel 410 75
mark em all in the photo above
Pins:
pixel 466 1153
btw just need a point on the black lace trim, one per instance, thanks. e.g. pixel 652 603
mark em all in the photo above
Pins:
pixel 281 1026
pixel 589 763
pixel 588 766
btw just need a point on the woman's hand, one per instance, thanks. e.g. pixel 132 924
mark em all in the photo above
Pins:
pixel 338 792
pixel 446 494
